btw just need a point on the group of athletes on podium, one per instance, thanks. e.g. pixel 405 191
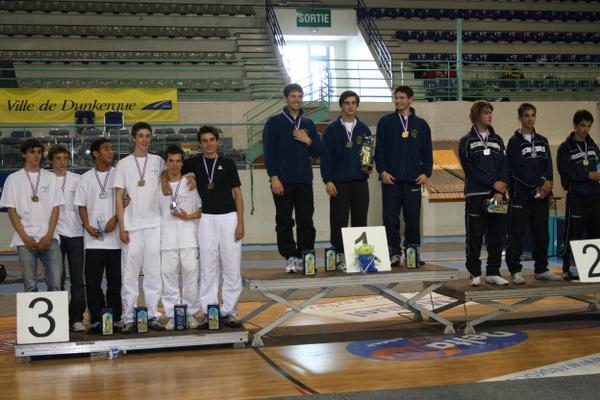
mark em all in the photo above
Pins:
pixel 162 216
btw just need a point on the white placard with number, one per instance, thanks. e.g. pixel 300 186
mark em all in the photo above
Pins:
pixel 373 235
pixel 587 259
pixel 42 317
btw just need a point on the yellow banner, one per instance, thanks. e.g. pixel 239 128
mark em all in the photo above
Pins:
pixel 50 106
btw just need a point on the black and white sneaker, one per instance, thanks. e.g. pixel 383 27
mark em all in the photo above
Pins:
pixel 231 322
pixel 396 260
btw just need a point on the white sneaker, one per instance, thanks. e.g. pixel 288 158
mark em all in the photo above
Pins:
pixel 496 280
pixel 547 276
pixel 518 279
pixel 340 262
pixel 78 327
pixel 170 326
pixel 475 280
pixel 291 264
pixel 192 322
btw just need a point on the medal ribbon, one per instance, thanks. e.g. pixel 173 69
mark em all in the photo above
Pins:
pixel 480 136
pixel 212 172
pixel 404 122
pixel 64 183
pixel 532 141
pixel 296 125
pixel 34 189
pixel 584 151
pixel 348 132
pixel 102 187
pixel 142 172
pixel 174 196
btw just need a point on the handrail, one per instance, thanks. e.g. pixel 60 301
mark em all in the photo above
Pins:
pixel 274 25
pixel 375 41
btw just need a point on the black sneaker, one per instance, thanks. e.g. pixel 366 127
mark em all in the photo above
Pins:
pixel 156 325
pixel 128 328
pixel 231 322
pixel 396 260
pixel 570 276
pixel 95 329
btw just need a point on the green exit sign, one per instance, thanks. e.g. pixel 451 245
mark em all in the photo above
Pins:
pixel 313 18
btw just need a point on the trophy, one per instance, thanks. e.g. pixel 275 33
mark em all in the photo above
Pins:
pixel 214 316
pixel 367 150
pixel 180 316
pixel 107 321
pixel 141 319
pixel 330 259
pixel 309 262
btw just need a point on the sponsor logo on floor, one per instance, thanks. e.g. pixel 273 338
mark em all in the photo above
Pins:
pixel 373 308
pixel 577 366
pixel 435 347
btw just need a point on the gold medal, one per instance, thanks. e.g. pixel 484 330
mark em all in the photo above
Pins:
pixel 349 145
pixel 141 182
pixel 35 199
pixel 404 134
pixel 210 186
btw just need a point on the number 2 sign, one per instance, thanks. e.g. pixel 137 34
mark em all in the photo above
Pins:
pixel 587 259
pixel 42 317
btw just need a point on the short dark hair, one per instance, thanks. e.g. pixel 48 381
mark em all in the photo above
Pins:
pixel 582 115
pixel 349 93
pixel 31 143
pixel 139 126
pixel 172 150
pixel 209 129
pixel 477 108
pixel 407 90
pixel 57 149
pixel 96 144
pixel 524 107
pixel 292 87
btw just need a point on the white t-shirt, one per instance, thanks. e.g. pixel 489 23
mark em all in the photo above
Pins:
pixel 175 232
pixel 100 209
pixel 35 216
pixel 143 210
pixel 69 223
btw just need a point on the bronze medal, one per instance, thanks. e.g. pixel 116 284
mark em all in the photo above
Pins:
pixel 349 145
pixel 35 199
pixel 210 186
pixel 141 182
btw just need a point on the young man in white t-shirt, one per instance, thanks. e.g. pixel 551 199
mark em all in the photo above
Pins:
pixel 33 198
pixel 70 232
pixel 138 175
pixel 96 201
pixel 179 246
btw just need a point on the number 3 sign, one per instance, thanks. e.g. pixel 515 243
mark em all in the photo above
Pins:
pixel 42 317
pixel 587 259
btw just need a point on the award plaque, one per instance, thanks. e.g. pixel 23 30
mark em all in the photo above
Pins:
pixel 214 316
pixel 309 262
pixel 141 319
pixel 330 259
pixel 367 151
pixel 107 321
pixel 180 316
pixel 411 257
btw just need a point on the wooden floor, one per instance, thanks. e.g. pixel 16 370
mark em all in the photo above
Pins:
pixel 287 367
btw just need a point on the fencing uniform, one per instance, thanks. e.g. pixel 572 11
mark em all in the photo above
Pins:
pixel 574 160
pixel 216 233
pixel 341 165
pixel 103 254
pixel 142 221
pixel 18 192
pixel 290 160
pixel 70 231
pixel 179 247
pixel 405 157
pixel 484 163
